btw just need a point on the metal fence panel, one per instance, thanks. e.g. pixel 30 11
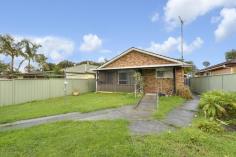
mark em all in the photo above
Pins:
pixel 6 92
pixel 229 82
pixel 225 82
pixel 26 90
pixel 215 83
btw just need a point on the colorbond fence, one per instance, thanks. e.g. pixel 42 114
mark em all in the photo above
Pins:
pixel 24 90
pixel 220 82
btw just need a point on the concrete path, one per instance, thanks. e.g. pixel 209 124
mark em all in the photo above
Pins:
pixel 180 117
pixel 140 117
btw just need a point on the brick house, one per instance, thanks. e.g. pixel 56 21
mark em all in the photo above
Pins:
pixel 160 73
pixel 228 67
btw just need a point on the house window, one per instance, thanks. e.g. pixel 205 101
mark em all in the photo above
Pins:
pixel 160 74
pixel 164 73
pixel 125 77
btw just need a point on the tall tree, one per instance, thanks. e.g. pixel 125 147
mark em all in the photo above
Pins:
pixel 30 68
pixel 3 67
pixel 90 62
pixel 30 52
pixel 65 64
pixel 50 67
pixel 191 70
pixel 230 55
pixel 9 47
pixel 41 59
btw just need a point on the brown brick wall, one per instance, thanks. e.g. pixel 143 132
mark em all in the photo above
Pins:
pixel 179 79
pixel 165 85
pixel 153 84
pixel 136 58
pixel 221 71
pixel 234 69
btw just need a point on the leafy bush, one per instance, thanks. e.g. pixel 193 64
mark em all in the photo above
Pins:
pixel 218 104
pixel 184 92
pixel 210 126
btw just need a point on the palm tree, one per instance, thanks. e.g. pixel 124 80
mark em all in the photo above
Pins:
pixel 30 50
pixel 41 60
pixel 3 67
pixel 9 47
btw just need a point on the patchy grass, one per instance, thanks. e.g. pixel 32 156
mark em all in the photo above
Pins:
pixel 189 142
pixel 102 138
pixel 112 138
pixel 166 104
pixel 83 103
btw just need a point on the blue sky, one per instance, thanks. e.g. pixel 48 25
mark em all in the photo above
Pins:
pixel 93 30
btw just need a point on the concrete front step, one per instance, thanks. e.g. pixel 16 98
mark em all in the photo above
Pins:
pixel 148 102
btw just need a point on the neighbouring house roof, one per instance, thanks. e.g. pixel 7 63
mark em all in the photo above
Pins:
pixel 175 62
pixel 218 66
pixel 81 69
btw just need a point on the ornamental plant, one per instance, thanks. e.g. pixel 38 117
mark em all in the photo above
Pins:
pixel 218 104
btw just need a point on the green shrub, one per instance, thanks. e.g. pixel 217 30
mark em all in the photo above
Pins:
pixel 218 104
pixel 210 126
pixel 184 92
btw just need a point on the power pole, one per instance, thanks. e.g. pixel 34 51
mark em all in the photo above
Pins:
pixel 182 38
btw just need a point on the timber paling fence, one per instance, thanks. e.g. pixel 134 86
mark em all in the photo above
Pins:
pixel 16 91
pixel 225 82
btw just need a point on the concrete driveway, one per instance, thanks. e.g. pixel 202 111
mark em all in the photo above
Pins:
pixel 140 117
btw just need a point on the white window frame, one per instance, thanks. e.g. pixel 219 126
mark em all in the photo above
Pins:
pixel 123 80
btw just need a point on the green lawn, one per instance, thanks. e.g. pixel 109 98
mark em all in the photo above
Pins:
pixel 166 104
pixel 83 103
pixel 112 139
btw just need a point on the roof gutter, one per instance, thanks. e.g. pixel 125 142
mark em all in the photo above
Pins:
pixel 223 66
pixel 145 66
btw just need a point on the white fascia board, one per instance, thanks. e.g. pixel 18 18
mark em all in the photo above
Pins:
pixel 144 66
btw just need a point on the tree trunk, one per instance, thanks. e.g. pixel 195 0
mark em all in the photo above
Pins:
pixel 12 64
pixel 18 69
pixel 29 66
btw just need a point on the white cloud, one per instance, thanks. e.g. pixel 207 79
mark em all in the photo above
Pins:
pixel 196 44
pixel 189 10
pixel 55 48
pixel 101 59
pixel 167 46
pixel 227 25
pixel 91 42
pixel 173 44
pixel 215 19
pixel 155 17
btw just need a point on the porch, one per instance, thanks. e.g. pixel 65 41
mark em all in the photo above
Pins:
pixel 116 80
pixel 122 80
